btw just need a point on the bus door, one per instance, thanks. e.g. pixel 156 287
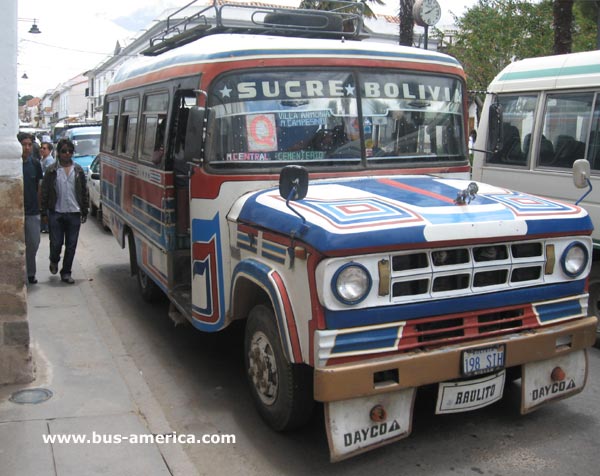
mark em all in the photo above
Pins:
pixel 184 100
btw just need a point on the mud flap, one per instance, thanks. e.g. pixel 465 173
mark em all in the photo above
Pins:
pixel 360 424
pixel 552 379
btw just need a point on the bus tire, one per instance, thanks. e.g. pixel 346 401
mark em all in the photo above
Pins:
pixel 282 392
pixel 594 298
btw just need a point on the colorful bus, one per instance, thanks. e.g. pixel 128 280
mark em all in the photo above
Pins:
pixel 551 118
pixel 282 173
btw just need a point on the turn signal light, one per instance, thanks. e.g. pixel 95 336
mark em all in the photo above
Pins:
pixel 378 414
pixel 558 374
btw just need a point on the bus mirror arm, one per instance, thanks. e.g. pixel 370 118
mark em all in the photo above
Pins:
pixel 495 151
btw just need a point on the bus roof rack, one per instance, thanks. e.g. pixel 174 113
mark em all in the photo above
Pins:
pixel 344 20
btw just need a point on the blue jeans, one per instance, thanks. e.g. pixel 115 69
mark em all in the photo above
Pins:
pixel 64 228
pixel 32 242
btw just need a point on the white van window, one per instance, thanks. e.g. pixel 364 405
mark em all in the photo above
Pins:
pixel 566 126
pixel 518 114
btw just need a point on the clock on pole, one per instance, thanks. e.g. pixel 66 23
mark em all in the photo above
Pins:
pixel 426 13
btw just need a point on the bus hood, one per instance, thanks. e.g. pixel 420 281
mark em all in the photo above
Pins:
pixel 379 212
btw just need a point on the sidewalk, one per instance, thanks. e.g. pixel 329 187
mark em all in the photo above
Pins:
pixel 96 387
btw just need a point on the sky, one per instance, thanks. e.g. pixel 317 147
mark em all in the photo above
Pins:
pixel 78 35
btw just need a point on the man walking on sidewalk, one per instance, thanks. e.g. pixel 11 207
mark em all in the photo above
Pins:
pixel 65 204
pixel 32 175
pixel 46 161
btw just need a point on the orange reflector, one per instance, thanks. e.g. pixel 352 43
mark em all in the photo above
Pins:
pixel 378 413
pixel 558 374
pixel 300 252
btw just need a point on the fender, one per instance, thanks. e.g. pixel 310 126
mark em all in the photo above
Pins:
pixel 271 282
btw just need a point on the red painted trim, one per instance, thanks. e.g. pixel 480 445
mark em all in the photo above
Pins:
pixel 289 317
pixel 420 191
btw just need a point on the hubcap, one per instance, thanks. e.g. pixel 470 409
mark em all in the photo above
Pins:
pixel 262 368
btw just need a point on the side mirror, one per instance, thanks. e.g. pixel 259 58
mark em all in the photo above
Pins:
pixel 96 176
pixel 293 182
pixel 496 134
pixel 194 135
pixel 581 173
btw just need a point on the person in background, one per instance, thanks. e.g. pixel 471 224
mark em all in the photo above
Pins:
pixel 65 205
pixel 46 161
pixel 32 175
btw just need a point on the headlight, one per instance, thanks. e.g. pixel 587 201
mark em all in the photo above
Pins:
pixel 351 283
pixel 574 259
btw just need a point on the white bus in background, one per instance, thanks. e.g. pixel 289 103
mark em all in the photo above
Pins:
pixel 550 118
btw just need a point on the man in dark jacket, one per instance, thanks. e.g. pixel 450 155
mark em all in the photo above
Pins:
pixel 32 175
pixel 65 204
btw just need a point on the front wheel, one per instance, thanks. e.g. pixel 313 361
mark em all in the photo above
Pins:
pixel 282 392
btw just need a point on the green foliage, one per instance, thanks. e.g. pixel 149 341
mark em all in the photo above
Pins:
pixel 333 4
pixel 494 33
pixel 585 28
pixel 23 99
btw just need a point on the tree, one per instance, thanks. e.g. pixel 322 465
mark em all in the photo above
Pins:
pixel 407 22
pixel 494 33
pixel 563 26
pixel 23 99
pixel 586 28
pixel 330 5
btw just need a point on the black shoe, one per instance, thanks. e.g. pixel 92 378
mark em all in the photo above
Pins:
pixel 32 280
pixel 67 279
pixel 53 267
pixel 44 231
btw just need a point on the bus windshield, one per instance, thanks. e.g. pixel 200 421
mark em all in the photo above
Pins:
pixel 319 117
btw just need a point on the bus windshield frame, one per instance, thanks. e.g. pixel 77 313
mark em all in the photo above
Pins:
pixel 334 117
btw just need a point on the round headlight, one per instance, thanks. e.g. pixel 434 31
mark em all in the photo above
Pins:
pixel 351 283
pixel 574 259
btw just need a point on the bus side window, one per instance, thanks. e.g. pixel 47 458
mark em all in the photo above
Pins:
pixel 510 152
pixel 128 131
pixel 154 126
pixel 566 122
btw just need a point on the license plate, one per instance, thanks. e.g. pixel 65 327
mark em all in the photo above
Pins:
pixel 483 360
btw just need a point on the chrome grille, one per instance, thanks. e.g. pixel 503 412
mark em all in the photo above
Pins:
pixel 457 271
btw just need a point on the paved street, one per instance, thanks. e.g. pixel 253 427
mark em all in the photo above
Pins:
pixel 198 381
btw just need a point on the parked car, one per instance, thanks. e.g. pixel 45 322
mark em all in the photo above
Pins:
pixel 93 185
pixel 87 144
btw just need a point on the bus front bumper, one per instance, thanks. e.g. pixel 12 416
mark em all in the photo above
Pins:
pixel 415 369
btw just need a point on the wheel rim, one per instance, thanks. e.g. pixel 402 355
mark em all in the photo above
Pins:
pixel 262 368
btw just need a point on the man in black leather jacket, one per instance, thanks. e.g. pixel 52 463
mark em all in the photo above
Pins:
pixel 65 204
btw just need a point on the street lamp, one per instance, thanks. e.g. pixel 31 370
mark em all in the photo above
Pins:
pixel 34 28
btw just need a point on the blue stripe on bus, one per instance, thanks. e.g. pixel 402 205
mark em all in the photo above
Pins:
pixel 365 340
pixel 558 310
